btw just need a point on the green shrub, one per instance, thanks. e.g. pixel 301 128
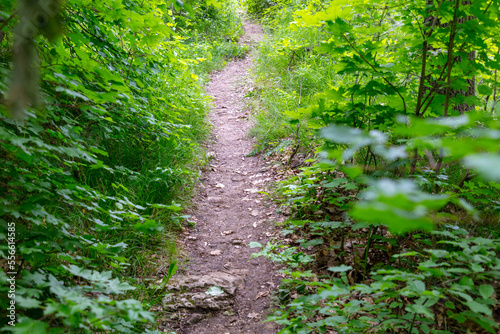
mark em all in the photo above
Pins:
pixel 97 159
pixel 408 161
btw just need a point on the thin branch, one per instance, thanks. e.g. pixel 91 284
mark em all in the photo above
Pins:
pixel 494 93
pixel 297 138
pixel 8 20
pixel 450 58
pixel 424 64
pixel 487 7
pixel 422 79
pixel 373 68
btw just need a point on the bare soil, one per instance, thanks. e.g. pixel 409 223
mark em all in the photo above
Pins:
pixel 230 212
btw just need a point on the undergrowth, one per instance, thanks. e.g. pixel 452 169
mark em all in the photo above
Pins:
pixel 99 160
pixel 394 220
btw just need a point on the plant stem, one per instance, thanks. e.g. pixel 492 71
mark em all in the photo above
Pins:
pixel 371 233
pixel 373 68
pixel 450 58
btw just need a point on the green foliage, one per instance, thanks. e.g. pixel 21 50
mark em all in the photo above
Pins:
pixel 400 102
pixel 99 152
pixel 258 7
pixel 435 291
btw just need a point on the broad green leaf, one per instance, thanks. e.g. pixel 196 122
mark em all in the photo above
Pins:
pixel 313 242
pixel 486 291
pixel 420 309
pixel 399 205
pixel 484 90
pixel 340 269
pixel 172 269
pixel 149 226
pixel 478 308
pixel 23 302
pixel 417 286
pixel 28 326
pixel 486 164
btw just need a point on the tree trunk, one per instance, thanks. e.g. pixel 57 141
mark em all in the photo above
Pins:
pixel 452 59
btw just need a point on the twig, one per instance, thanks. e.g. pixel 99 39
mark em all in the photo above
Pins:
pixel 300 93
pixel 450 58
pixel 297 138
pixel 291 59
pixel 487 7
pixel 412 322
pixel 372 232
pixel 494 92
pixel 373 68
pixel 8 20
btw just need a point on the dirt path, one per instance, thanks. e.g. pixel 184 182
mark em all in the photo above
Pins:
pixel 223 291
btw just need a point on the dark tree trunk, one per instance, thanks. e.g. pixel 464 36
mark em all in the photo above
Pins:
pixel 452 59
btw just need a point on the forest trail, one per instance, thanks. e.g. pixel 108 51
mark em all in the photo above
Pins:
pixel 223 290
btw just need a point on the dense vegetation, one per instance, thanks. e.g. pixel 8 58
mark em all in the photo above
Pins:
pixel 97 159
pixel 389 113
pixel 388 132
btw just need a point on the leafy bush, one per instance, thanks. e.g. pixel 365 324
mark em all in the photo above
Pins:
pixel 94 160
pixel 258 7
pixel 397 101
pixel 436 291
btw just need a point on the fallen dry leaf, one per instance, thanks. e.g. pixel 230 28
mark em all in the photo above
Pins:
pixel 253 315
pixel 216 252
pixel 262 294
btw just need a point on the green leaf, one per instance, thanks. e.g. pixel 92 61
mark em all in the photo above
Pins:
pixel 172 269
pixel 484 90
pixel 420 309
pixel 486 164
pixel 439 253
pixel 399 205
pixel 254 244
pixel 27 302
pixel 417 286
pixel 28 326
pixel 466 281
pixel 486 291
pixel 149 226
pixel 313 242
pixel 478 308
pixel 340 269
pixel 72 93
pixel 449 305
